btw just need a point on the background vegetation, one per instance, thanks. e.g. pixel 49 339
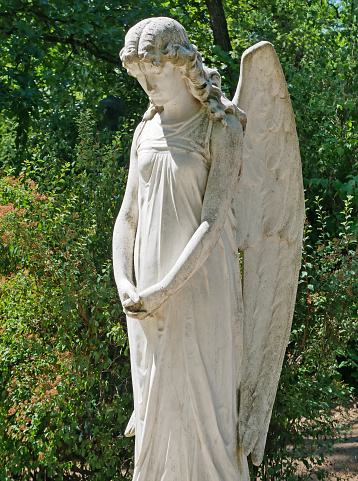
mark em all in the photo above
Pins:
pixel 64 372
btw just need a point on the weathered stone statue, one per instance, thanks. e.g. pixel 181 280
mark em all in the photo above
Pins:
pixel 207 336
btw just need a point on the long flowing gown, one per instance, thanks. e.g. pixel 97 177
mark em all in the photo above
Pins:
pixel 186 359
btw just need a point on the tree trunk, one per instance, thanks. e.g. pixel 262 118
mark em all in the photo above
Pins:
pixel 218 24
pixel 221 34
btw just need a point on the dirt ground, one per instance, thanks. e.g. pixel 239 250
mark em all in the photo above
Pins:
pixel 342 463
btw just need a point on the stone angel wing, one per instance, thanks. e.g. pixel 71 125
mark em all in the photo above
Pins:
pixel 269 211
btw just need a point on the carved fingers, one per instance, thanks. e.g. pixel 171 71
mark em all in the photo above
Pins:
pixel 127 291
pixel 146 304
pixel 132 308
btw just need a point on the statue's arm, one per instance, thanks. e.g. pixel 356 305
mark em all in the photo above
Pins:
pixel 124 233
pixel 226 153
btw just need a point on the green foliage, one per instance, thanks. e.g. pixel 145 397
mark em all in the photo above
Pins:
pixel 324 324
pixel 64 362
pixel 65 384
pixel 316 44
pixel 58 59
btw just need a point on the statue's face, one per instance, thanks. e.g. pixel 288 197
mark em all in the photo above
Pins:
pixel 162 84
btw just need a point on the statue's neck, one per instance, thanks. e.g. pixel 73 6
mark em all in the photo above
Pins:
pixel 180 109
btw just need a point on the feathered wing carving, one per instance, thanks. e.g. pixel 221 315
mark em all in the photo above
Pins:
pixel 269 209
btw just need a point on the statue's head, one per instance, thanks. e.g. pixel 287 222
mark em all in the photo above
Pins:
pixel 160 40
pixel 157 40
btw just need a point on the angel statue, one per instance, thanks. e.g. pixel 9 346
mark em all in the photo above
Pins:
pixel 206 253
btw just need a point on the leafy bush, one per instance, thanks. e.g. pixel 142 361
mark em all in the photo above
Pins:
pixel 62 338
pixel 325 323
pixel 65 370
pixel 65 385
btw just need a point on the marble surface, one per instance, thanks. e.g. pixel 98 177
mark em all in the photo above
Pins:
pixel 206 335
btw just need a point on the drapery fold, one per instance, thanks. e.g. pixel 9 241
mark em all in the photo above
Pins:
pixel 185 359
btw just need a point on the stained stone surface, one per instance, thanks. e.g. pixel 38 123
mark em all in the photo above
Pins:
pixel 199 189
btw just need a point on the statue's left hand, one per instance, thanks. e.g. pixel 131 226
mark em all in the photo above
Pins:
pixel 149 302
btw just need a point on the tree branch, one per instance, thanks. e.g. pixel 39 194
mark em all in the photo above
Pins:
pixel 90 46
pixel 71 40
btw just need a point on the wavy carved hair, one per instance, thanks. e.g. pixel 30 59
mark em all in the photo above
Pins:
pixel 161 39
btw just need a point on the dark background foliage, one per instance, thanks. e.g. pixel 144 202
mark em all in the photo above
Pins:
pixel 64 372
